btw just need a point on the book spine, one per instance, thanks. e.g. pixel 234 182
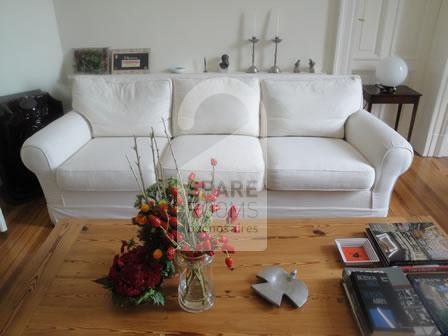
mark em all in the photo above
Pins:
pixel 376 296
pixel 355 307
pixel 358 297
pixel 378 250
pixel 423 269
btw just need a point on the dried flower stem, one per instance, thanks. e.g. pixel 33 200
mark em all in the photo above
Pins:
pixel 142 189
pixel 139 163
pixel 184 192
pixel 159 163
pixel 154 163
pixel 166 235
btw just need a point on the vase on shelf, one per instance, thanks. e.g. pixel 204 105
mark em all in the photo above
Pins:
pixel 195 292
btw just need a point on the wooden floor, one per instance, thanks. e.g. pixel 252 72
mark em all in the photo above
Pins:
pixel 423 190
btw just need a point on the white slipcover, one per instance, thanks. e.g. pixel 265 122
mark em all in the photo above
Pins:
pixel 126 106
pixel 309 107
pixel 308 163
pixel 222 105
pixel 240 159
pixel 101 165
pixel 83 175
pixel 386 150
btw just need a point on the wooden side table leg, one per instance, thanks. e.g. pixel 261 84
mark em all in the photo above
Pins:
pixel 369 107
pixel 411 126
pixel 397 119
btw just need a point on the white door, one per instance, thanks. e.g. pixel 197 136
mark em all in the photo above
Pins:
pixel 370 30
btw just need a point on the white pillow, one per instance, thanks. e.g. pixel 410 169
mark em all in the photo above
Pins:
pixel 309 107
pixel 219 105
pixel 123 106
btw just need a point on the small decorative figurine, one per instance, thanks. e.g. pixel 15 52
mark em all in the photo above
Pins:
pixel 224 65
pixel 311 65
pixel 205 64
pixel 297 66
pixel 280 283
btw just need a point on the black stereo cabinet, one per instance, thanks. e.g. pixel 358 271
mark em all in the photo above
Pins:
pixel 22 115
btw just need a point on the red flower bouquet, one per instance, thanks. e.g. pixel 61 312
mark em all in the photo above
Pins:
pixel 134 277
pixel 174 218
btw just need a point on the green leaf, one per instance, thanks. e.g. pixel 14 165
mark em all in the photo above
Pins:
pixel 149 295
pixel 155 296
pixel 158 299
pixel 169 269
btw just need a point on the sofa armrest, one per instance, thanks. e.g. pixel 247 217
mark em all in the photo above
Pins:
pixel 386 150
pixel 47 149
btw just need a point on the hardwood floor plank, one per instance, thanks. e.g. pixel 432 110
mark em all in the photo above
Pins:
pixel 32 282
pixel 28 226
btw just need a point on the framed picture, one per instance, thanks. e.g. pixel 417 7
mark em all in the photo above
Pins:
pixel 130 61
pixel 91 60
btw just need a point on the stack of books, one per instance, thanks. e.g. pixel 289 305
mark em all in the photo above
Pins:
pixel 409 243
pixel 384 302
pixel 409 296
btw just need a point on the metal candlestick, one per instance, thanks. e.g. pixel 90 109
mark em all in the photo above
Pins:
pixel 275 68
pixel 253 68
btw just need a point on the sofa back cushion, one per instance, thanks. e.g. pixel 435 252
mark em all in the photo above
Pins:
pixel 123 106
pixel 316 106
pixel 216 105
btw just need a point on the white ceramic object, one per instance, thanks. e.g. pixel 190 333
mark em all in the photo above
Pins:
pixel 178 69
pixel 357 242
pixel 391 71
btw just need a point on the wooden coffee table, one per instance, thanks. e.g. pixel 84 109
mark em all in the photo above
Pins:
pixel 56 295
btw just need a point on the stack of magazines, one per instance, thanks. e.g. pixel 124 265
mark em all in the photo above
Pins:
pixel 409 243
pixel 384 302
pixel 409 296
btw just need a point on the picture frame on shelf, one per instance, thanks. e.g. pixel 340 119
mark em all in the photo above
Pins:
pixel 130 61
pixel 91 61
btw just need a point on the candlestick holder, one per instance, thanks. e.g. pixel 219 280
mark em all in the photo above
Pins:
pixel 253 68
pixel 275 68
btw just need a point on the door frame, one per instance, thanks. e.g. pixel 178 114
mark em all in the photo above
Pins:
pixel 439 121
pixel 344 38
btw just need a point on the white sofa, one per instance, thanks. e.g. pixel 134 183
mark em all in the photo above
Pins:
pixel 286 145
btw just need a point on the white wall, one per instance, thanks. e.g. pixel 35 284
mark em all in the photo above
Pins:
pixel 30 50
pixel 182 32
pixel 431 136
pixel 37 38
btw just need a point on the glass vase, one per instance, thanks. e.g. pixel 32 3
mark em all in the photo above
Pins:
pixel 195 292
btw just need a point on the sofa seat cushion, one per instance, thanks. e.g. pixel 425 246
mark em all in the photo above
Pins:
pixel 308 163
pixel 240 159
pixel 101 165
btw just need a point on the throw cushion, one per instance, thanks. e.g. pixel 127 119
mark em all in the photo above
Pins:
pixel 309 106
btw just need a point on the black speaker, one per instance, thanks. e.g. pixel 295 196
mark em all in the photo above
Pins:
pixel 22 115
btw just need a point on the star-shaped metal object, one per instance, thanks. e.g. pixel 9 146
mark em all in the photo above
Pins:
pixel 279 283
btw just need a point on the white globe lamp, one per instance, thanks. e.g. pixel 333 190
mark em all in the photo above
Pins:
pixel 391 72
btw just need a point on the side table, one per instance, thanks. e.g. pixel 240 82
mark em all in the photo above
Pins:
pixel 403 95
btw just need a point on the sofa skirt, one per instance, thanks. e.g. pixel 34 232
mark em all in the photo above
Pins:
pixel 265 204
